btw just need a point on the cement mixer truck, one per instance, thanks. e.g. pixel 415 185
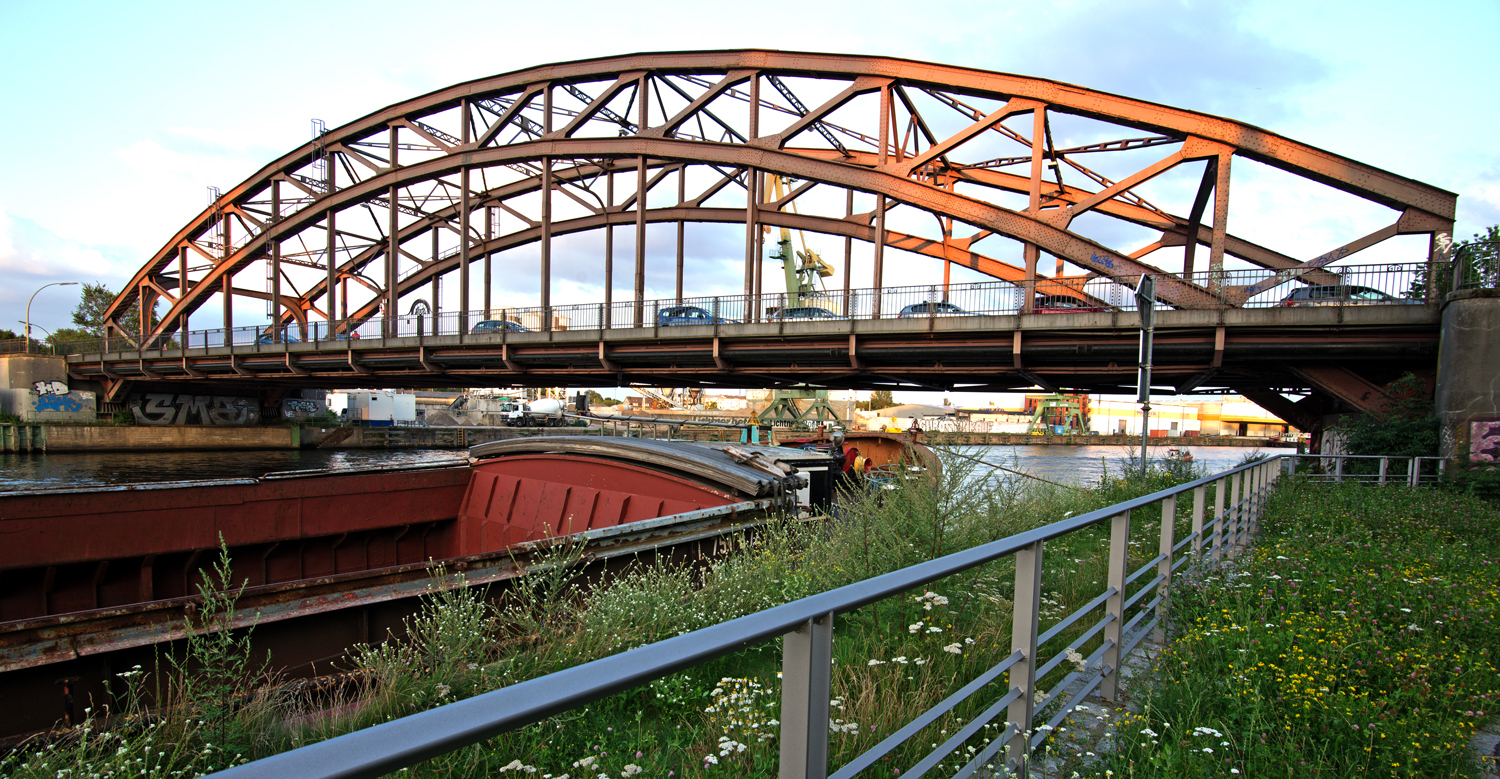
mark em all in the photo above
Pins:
pixel 543 412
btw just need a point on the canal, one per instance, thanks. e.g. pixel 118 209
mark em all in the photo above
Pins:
pixel 1067 464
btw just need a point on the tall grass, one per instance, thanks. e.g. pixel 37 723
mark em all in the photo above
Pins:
pixel 1359 638
pixel 893 659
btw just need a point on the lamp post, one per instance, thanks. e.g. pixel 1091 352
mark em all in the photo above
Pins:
pixel 33 297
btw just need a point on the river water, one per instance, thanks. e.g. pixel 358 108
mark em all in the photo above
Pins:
pixel 1068 464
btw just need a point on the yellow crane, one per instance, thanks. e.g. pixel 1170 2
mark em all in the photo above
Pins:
pixel 804 269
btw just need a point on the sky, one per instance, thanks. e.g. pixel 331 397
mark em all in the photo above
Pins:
pixel 120 115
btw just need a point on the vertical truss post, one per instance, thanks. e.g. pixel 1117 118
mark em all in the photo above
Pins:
pixel 681 226
pixel 1114 608
pixel 1221 225
pixel 1164 568
pixel 806 682
pixel 489 235
pixel 609 245
pixel 275 260
pixel 640 232
pixel 1190 249
pixel 1023 638
pixel 546 269
pixel 228 276
pixel 879 282
pixel 885 124
pixel 182 290
pixel 393 232
pixel 330 180
pixel 437 289
pixel 464 217
pixel 1031 252
pixel 848 252
pixel 752 198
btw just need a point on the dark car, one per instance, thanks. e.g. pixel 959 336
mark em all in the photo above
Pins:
pixel 931 309
pixel 288 336
pixel 1064 304
pixel 687 315
pixel 803 312
pixel 498 326
pixel 1340 295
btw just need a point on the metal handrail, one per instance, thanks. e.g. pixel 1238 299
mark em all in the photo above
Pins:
pixel 1260 288
pixel 806 626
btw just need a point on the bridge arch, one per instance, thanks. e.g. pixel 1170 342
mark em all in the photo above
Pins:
pixel 354 202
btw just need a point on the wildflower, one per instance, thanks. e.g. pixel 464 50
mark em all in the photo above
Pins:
pixel 875 662
pixel 710 760
pixel 934 629
pixel 955 649
pixel 586 762
pixel 443 690
pixel 630 770
pixel 914 628
pixel 901 659
pixel 1076 659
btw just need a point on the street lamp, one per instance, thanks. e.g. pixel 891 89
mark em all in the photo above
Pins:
pixel 33 297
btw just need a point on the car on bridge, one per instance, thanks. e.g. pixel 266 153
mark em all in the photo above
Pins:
pixel 931 309
pixel 1064 304
pixel 1341 295
pixel 802 312
pixel 688 315
pixel 490 326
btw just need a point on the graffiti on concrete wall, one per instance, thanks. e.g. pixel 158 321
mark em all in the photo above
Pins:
pixel 162 408
pixel 54 396
pixel 301 408
pixel 1484 440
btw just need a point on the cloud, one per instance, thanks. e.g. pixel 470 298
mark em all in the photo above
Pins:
pixel 32 256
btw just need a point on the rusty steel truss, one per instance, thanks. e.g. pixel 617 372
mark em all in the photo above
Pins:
pixel 366 214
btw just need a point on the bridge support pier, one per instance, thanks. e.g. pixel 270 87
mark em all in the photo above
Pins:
pixel 1468 383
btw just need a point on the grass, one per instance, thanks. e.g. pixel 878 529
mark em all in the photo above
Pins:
pixel 892 659
pixel 1358 638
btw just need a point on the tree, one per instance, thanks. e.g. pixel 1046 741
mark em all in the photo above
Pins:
pixel 879 399
pixel 64 335
pixel 8 335
pixel 1405 426
pixel 1477 261
pixel 595 399
pixel 94 300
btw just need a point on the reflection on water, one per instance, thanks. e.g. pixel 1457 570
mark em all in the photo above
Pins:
pixel 1085 464
pixel 1067 464
pixel 25 471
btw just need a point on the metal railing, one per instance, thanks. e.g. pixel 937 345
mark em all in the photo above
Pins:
pixel 1214 528
pixel 1377 469
pixel 1399 284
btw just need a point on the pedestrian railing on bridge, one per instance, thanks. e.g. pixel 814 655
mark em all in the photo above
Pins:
pixel 1352 286
pixel 1222 511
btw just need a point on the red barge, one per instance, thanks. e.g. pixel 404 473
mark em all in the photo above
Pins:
pixel 95 579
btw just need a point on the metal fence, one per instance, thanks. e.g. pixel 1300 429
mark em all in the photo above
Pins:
pixel 1375 469
pixel 1353 286
pixel 1223 511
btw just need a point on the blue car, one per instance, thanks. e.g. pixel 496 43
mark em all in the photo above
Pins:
pixel 490 326
pixel 803 312
pixel 288 336
pixel 687 315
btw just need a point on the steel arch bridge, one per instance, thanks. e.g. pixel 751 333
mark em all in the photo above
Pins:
pixel 366 214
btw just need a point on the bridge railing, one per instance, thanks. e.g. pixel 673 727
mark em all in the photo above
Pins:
pixel 1046 673
pixel 1257 288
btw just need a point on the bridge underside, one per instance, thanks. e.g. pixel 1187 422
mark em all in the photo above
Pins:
pixel 1258 353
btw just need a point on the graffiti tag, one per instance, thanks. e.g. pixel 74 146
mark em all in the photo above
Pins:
pixel 300 408
pixel 58 403
pixel 50 387
pixel 1484 440
pixel 170 409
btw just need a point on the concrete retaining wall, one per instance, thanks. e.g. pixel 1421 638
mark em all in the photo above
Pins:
pixel 99 438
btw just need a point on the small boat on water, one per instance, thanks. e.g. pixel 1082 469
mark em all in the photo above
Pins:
pixel 877 457
pixel 1175 455
pixel 93 578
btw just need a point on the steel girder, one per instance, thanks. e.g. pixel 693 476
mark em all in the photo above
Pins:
pixel 348 199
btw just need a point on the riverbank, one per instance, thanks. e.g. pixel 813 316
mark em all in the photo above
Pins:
pixel 121 438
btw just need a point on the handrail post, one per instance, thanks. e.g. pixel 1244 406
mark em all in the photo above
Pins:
pixel 1385 463
pixel 1200 496
pixel 1218 538
pixel 806 684
pixel 1232 534
pixel 1414 472
pixel 1114 608
pixel 1023 635
pixel 1338 468
pixel 1164 568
